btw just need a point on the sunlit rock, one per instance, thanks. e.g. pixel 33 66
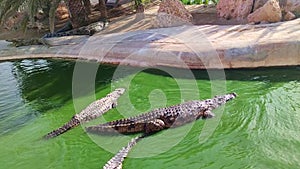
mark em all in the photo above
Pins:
pixel 270 12
pixel 234 9
pixel 293 6
pixel 172 13
pixel 289 16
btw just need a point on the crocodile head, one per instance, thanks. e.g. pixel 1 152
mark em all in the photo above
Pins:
pixel 119 91
pixel 230 96
pixel 220 100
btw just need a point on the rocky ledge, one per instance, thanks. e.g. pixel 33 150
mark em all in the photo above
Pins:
pixel 195 47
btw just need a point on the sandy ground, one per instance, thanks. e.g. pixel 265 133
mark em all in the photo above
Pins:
pixel 123 19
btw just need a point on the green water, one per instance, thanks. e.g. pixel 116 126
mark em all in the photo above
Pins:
pixel 259 129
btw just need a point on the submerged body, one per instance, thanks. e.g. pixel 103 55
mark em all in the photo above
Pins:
pixel 94 110
pixel 163 118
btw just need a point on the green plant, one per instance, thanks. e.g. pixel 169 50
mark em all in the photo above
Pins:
pixel 29 8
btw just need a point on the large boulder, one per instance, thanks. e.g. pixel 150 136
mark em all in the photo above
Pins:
pixel 258 4
pixel 237 9
pixel 289 16
pixel 172 13
pixel 293 6
pixel 270 12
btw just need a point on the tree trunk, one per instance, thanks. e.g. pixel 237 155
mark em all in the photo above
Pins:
pixel 78 13
pixel 88 6
pixel 140 9
pixel 103 10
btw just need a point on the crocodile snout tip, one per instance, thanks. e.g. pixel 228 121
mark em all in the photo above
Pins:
pixel 234 94
pixel 120 90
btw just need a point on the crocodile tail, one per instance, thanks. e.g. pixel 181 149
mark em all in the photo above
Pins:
pixel 71 124
pixel 117 160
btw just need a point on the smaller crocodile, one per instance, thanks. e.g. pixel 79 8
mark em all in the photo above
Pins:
pixel 94 110
pixel 163 118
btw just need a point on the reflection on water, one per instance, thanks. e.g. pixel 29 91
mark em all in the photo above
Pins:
pixel 41 81
pixel 13 111
pixel 257 130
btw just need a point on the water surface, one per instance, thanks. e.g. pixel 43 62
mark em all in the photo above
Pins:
pixel 259 129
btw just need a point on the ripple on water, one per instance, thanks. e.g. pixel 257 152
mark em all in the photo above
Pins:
pixel 259 129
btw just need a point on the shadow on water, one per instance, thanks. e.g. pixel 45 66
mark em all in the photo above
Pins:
pixel 48 83
pixel 53 81
pixel 40 82
pixel 44 85
pixel 272 74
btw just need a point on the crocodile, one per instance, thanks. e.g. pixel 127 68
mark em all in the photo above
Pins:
pixel 65 31
pixel 157 120
pixel 163 118
pixel 84 30
pixel 92 111
pixel 27 42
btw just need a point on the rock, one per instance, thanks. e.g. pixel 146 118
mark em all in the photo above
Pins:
pixel 289 16
pixel 164 20
pixel 293 6
pixel 258 4
pixel 172 13
pixel 62 12
pixel 270 12
pixel 238 9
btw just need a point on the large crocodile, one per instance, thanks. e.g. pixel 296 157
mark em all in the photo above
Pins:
pixel 94 110
pixel 157 120
pixel 163 118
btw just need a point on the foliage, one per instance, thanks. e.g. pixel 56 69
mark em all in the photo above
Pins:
pixel 138 3
pixel 8 8
pixel 29 8
pixel 191 2
pixel 53 6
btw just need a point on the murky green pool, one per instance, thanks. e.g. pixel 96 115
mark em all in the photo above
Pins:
pixel 259 129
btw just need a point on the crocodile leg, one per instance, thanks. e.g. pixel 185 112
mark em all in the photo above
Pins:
pixel 154 126
pixel 208 114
